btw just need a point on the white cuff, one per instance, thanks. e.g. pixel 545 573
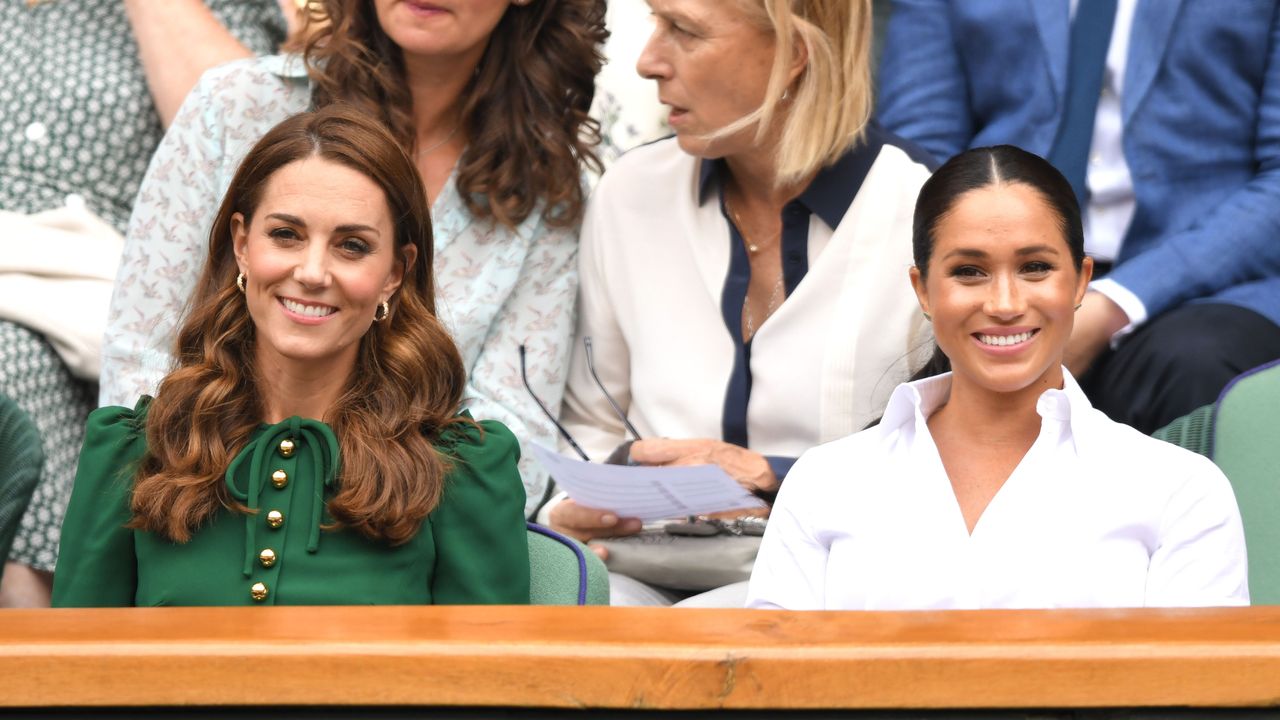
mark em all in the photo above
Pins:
pixel 1129 304
pixel 544 513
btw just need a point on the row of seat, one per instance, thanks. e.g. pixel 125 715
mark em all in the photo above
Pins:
pixel 1237 432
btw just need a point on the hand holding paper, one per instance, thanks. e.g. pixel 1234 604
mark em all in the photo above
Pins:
pixel 648 493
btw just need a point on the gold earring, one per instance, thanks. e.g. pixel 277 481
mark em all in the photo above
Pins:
pixel 382 311
pixel 240 282
pixel 927 316
pixel 1079 306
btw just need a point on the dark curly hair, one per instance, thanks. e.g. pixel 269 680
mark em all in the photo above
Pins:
pixel 525 111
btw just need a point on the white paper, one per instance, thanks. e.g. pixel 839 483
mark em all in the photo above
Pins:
pixel 648 493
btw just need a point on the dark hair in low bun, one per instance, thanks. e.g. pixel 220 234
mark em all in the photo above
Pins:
pixel 981 167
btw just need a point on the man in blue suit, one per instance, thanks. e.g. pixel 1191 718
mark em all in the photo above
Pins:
pixel 1165 115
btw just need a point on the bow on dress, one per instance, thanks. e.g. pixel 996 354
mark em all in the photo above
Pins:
pixel 309 436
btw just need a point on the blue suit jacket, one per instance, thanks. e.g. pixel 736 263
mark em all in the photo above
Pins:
pixel 1201 112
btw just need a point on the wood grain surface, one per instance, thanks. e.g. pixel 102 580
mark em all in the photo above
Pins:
pixel 639 658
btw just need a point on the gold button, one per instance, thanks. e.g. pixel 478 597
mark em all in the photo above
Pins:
pixel 275 519
pixel 267 557
pixel 286 447
pixel 279 478
pixel 258 591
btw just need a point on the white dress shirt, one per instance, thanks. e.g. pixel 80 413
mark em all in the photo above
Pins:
pixel 1111 199
pixel 1095 515
pixel 656 250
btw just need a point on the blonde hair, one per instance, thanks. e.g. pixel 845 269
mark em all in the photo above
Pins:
pixel 830 102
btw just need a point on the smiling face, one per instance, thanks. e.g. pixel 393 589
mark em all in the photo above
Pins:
pixel 1002 288
pixel 456 30
pixel 712 65
pixel 319 255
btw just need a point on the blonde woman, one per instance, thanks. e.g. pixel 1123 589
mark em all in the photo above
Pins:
pixel 741 281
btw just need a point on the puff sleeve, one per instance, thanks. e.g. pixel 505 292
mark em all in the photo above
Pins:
pixel 482 554
pixel 97 565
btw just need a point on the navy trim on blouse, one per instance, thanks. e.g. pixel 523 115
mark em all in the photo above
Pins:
pixel 829 197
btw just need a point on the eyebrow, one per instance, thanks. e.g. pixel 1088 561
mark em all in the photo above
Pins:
pixel 981 254
pixel 348 228
pixel 674 14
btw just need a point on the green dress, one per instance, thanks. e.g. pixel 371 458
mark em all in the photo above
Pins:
pixel 471 548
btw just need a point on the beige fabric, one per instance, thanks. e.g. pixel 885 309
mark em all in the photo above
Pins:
pixel 56 276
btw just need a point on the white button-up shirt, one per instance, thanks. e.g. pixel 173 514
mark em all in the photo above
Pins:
pixel 1095 515
pixel 1111 199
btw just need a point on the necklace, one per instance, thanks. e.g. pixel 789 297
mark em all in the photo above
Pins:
pixel 775 297
pixel 752 248
pixel 423 153
pixel 774 301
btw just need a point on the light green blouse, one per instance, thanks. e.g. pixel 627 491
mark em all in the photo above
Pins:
pixel 471 548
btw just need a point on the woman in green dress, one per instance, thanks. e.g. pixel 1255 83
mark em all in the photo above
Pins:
pixel 308 447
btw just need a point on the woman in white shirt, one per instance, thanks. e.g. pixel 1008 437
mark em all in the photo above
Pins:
pixel 998 485
pixel 739 282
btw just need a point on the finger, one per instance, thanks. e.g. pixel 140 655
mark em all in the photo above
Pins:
pixel 695 458
pixel 585 523
pixel 600 551
pixel 660 451
pixel 619 527
pixel 581 522
pixel 628 526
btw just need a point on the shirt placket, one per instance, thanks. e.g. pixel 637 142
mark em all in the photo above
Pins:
pixel 275 518
pixel 1003 526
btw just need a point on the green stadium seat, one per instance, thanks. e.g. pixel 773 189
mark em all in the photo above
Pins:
pixel 562 571
pixel 1241 434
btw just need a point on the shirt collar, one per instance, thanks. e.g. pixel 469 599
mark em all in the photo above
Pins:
pixel 1071 407
pixel 289 65
pixel 912 403
pixel 832 190
pixel 834 187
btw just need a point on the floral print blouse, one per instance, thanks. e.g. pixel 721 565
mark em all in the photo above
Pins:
pixel 497 288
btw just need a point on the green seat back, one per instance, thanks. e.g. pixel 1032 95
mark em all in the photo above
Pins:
pixel 1246 445
pixel 562 571
pixel 20 460
pixel 1241 434
pixel 1193 431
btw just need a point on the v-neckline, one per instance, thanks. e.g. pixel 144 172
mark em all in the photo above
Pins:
pixel 953 501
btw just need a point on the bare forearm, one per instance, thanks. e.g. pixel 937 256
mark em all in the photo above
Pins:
pixel 177 41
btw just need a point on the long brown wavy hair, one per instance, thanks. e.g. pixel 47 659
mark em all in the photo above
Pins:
pixel 405 389
pixel 524 112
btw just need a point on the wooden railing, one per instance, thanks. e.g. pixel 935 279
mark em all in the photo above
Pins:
pixel 639 658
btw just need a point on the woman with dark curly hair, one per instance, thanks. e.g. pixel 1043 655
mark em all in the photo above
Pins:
pixel 310 429
pixel 490 97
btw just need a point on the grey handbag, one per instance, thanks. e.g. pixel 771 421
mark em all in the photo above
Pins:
pixel 697 555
